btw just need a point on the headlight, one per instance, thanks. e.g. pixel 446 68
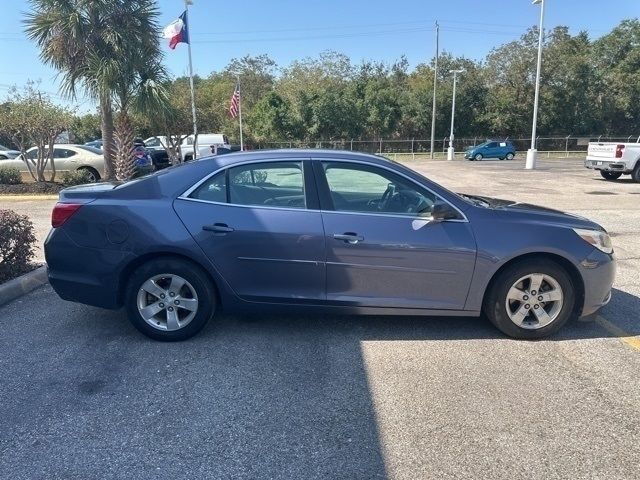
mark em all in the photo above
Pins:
pixel 599 239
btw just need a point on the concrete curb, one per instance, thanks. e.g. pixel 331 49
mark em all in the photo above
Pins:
pixel 23 284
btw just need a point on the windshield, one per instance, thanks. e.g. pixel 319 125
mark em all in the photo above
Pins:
pixel 95 150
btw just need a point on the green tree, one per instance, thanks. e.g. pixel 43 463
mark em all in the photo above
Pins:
pixel 85 128
pixel 271 119
pixel 616 57
pixel 31 119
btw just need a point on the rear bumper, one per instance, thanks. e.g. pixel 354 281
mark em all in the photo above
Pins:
pixel 598 272
pixel 81 274
pixel 605 165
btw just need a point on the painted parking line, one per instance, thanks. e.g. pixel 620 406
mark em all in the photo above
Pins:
pixel 28 198
pixel 632 340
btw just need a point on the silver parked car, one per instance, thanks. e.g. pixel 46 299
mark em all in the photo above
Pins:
pixel 6 153
pixel 67 158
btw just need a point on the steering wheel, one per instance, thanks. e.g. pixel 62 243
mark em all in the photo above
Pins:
pixel 388 194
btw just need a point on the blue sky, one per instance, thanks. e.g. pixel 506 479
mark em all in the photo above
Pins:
pixel 363 29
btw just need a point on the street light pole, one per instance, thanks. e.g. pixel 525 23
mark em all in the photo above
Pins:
pixel 450 150
pixel 532 152
pixel 435 88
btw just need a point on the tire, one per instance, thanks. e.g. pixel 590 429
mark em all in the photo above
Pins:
pixel 477 157
pixel 92 172
pixel 635 175
pixel 186 321
pixel 188 158
pixel 510 156
pixel 610 175
pixel 559 312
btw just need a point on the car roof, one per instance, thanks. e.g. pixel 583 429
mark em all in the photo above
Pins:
pixel 296 153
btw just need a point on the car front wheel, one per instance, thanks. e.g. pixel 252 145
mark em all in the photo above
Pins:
pixel 170 299
pixel 478 157
pixel 510 156
pixel 531 299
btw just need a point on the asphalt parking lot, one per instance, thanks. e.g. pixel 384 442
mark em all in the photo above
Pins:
pixel 83 395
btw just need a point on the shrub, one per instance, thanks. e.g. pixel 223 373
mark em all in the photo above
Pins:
pixel 16 244
pixel 76 177
pixel 10 176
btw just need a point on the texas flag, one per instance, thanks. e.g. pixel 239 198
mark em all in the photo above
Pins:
pixel 177 31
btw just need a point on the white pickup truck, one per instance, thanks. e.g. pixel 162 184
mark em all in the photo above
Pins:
pixel 614 159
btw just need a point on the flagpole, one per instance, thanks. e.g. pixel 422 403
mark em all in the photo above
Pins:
pixel 240 113
pixel 193 96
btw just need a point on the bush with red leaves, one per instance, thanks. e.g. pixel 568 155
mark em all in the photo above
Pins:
pixel 16 244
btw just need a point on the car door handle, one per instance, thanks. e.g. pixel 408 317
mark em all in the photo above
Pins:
pixel 218 228
pixel 348 237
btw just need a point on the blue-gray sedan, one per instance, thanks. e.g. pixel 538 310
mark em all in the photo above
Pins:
pixel 310 229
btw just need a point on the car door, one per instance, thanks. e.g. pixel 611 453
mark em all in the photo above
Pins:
pixel 260 226
pixel 382 248
pixel 492 150
pixel 64 158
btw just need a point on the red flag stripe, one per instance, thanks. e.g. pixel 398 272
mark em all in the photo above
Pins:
pixel 235 102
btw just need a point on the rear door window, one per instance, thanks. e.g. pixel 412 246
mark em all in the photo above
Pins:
pixel 272 184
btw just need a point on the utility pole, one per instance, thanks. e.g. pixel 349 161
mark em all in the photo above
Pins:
pixel 435 84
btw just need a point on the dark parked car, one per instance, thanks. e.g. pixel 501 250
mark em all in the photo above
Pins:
pixel 95 144
pixel 312 229
pixel 501 149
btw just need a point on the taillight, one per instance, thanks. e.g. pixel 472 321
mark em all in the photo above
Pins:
pixel 619 151
pixel 63 212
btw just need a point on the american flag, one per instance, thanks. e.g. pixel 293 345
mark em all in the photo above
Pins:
pixel 235 102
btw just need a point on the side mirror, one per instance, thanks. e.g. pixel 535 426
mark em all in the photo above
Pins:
pixel 443 211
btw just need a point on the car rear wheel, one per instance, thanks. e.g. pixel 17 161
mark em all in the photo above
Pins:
pixel 610 175
pixel 170 299
pixel 510 156
pixel 635 175
pixel 478 157
pixel 531 299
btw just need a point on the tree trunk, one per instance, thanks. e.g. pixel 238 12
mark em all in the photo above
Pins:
pixel 52 141
pixel 123 138
pixel 106 117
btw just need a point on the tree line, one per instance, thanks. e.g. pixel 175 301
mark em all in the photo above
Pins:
pixel 588 86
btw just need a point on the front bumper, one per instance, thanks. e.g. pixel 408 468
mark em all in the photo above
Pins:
pixel 598 272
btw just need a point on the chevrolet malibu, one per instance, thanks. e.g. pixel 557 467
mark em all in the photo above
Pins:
pixel 320 230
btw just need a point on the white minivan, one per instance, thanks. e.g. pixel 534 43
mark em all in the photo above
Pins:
pixel 205 142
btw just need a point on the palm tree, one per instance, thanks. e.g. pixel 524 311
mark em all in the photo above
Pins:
pixel 140 87
pixel 90 42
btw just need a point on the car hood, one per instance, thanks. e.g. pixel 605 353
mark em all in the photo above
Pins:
pixel 527 211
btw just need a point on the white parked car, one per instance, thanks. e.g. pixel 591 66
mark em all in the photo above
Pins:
pixel 614 159
pixel 66 158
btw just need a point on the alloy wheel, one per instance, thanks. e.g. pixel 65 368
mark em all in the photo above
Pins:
pixel 534 301
pixel 167 302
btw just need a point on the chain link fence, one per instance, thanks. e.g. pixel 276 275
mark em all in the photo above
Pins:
pixel 560 145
